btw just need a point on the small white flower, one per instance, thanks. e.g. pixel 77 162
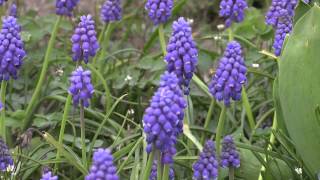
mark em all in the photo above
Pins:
pixel 217 38
pixel 298 170
pixel 255 65
pixel 128 78
pixel 131 111
pixel 190 21
pixel 10 168
pixel 220 26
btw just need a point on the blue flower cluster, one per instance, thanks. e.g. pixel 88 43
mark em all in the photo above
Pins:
pixel 48 176
pixel 2 2
pixel 111 11
pixel 81 88
pixel 159 10
pixel 230 75
pixel 65 7
pixel 182 54
pixel 232 10
pixel 206 168
pixel 84 40
pixel 163 119
pixel 153 174
pixel 13 10
pixel 229 154
pixel 280 16
pixel 6 160
pixel 102 167
pixel 11 48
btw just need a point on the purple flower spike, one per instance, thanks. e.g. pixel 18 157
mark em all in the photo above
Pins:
pixel 229 154
pixel 206 168
pixel 2 2
pixel 280 16
pixel 102 167
pixel 6 161
pixel 84 40
pixel 11 49
pixel 111 11
pixel 13 10
pixel 81 88
pixel 1 106
pixel 230 75
pixel 153 174
pixel 48 176
pixel 232 10
pixel 182 56
pixel 159 10
pixel 65 7
pixel 163 119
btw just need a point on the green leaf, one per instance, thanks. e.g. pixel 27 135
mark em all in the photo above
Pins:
pixel 299 85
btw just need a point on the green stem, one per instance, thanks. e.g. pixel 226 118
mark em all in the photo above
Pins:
pixel 100 39
pixel 231 173
pixel 3 112
pixel 219 134
pixel 166 172
pixel 271 140
pixel 208 118
pixel 148 168
pixel 162 39
pixel 83 136
pixel 247 107
pixel 159 164
pixel 37 91
pixel 230 34
pixel 63 124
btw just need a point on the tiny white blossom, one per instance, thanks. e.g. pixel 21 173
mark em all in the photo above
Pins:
pixel 298 170
pixel 220 26
pixel 217 38
pixel 256 65
pixel 128 78
pixel 190 21
pixel 131 111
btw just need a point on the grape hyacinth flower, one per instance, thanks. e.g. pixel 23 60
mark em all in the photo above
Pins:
pixel 48 176
pixel 280 16
pixel 230 75
pixel 182 54
pixel 163 119
pixel 81 88
pixel 84 40
pixel 159 10
pixel 102 167
pixel 1 106
pixel 11 48
pixel 206 168
pixel 275 10
pixel 65 7
pixel 6 161
pixel 229 154
pixel 2 2
pixel 153 174
pixel 13 10
pixel 232 10
pixel 111 11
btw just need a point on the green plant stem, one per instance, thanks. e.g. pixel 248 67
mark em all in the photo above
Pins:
pixel 37 91
pixel 271 140
pixel 208 118
pixel 100 39
pixel 247 107
pixel 162 39
pixel 147 170
pixel 166 172
pixel 219 134
pixel 83 136
pixel 3 112
pixel 230 34
pixel 63 124
pixel 159 164
pixel 231 173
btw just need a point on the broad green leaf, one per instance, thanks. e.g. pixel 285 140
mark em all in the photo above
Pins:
pixel 299 86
